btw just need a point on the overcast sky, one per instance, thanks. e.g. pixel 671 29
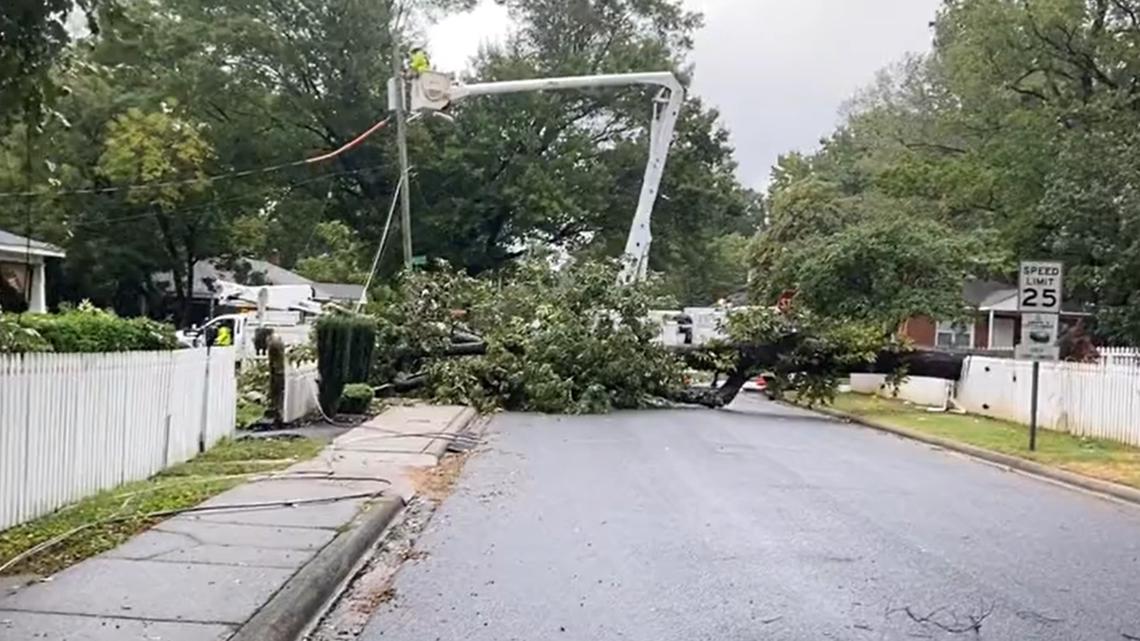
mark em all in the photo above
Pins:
pixel 778 70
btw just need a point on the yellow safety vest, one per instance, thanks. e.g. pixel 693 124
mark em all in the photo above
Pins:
pixel 419 62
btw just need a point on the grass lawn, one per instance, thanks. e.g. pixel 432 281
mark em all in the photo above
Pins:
pixel 248 413
pixel 181 486
pixel 1098 458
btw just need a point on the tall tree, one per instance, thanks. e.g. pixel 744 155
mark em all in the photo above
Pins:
pixel 33 36
pixel 168 154
pixel 274 81
pixel 1014 136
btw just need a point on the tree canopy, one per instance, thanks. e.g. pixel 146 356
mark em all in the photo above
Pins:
pixel 265 83
pixel 1013 139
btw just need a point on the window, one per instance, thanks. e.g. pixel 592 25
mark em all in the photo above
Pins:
pixel 13 287
pixel 954 335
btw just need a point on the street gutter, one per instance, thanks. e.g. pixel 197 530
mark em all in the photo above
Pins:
pixel 305 596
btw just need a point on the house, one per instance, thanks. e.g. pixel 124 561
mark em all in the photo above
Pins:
pixel 252 271
pixel 23 275
pixel 995 326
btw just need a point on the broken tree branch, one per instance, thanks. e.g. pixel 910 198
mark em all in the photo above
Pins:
pixel 751 361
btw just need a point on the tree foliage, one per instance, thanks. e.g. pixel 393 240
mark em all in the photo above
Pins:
pixel 33 37
pixel 1013 139
pixel 266 82
pixel 570 341
pixel 560 341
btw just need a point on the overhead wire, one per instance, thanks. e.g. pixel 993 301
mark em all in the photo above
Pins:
pixel 219 201
pixel 380 249
pixel 255 171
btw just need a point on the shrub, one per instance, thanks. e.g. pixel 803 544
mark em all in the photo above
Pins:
pixel 85 329
pixel 14 337
pixel 356 398
pixel 253 385
pixel 344 354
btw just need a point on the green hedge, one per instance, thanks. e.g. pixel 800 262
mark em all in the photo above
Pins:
pixel 356 399
pixel 345 345
pixel 84 329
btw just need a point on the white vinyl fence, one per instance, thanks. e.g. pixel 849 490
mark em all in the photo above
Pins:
pixel 1094 400
pixel 300 391
pixel 1119 355
pixel 920 390
pixel 74 424
pixel 1082 399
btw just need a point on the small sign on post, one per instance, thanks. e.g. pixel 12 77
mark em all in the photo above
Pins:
pixel 1039 334
pixel 1039 301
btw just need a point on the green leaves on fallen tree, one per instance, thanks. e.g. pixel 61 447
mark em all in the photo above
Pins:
pixel 799 351
pixel 560 341
pixel 572 341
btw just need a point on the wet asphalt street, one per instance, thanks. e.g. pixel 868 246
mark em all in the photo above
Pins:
pixel 759 522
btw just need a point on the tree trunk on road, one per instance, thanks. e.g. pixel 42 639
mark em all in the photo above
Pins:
pixel 752 359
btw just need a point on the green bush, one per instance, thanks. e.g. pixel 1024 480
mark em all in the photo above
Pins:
pixel 345 345
pixel 253 388
pixel 16 338
pixel 356 398
pixel 84 329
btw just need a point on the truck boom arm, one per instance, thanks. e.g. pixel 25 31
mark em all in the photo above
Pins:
pixel 434 91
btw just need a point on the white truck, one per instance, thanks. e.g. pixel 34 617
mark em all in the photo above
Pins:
pixel 286 309
pixel 242 329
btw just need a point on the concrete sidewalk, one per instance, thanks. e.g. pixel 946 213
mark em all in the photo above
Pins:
pixel 201 577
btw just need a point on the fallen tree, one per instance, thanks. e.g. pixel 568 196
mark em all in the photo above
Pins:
pixel 927 363
pixel 569 341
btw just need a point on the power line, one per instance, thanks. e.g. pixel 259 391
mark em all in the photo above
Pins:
pixel 257 171
pixel 220 201
pixel 152 185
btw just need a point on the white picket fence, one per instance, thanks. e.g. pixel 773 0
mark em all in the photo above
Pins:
pixel 74 424
pixel 1094 400
pixel 1119 356
pixel 300 391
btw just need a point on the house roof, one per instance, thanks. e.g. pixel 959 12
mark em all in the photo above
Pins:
pixel 252 271
pixel 21 244
pixel 977 292
pixel 1003 298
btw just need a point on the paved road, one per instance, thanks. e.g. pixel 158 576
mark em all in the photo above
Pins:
pixel 757 523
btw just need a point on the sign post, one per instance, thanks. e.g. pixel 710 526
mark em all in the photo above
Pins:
pixel 1039 301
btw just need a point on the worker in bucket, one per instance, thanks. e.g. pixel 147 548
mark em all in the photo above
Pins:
pixel 418 61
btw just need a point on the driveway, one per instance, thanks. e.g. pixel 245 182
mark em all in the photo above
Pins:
pixel 758 522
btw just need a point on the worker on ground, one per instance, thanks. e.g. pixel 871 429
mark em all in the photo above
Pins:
pixel 225 337
pixel 418 61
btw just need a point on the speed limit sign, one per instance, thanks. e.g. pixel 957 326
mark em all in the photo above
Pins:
pixel 1039 287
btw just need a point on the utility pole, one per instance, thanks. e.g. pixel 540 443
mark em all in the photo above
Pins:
pixel 402 143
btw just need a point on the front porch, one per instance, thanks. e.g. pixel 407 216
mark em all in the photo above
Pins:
pixel 23 276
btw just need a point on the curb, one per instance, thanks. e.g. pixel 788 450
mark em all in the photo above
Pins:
pixel 438 446
pixel 1078 481
pixel 292 608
